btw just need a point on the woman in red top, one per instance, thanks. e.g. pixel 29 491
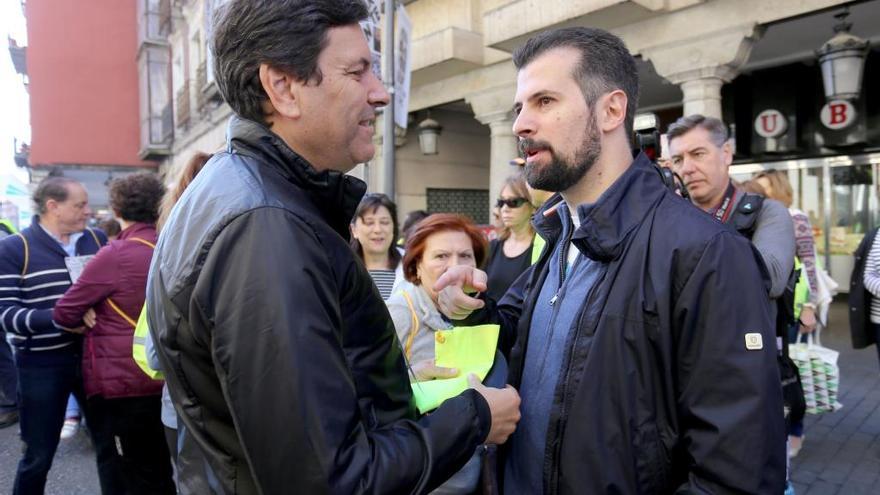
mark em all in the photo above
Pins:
pixel 123 404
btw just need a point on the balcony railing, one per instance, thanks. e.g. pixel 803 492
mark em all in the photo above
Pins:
pixel 183 107
pixel 201 82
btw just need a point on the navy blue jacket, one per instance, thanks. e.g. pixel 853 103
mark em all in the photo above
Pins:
pixel 658 392
pixel 29 293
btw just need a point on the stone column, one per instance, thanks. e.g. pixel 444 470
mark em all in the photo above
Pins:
pixel 702 65
pixel 493 107
pixel 373 171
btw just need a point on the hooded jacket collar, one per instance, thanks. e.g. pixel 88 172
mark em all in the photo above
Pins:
pixel 325 189
pixel 606 223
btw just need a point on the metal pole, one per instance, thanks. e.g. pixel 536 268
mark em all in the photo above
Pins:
pixel 388 114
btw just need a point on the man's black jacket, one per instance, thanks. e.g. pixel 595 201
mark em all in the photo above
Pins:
pixel 278 350
pixel 658 392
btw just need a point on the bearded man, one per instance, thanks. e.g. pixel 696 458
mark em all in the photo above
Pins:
pixel 637 373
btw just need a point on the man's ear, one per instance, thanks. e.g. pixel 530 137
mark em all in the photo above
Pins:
pixel 612 110
pixel 727 152
pixel 281 88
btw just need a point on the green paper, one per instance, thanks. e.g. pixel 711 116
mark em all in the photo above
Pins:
pixel 468 349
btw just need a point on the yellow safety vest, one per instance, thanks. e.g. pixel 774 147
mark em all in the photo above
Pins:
pixel 538 245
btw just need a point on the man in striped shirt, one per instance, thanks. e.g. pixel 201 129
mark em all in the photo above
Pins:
pixel 33 277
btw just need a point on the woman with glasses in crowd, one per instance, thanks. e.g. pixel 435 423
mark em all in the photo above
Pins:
pixel 511 253
pixel 374 234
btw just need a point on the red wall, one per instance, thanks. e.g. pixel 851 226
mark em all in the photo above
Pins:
pixel 82 65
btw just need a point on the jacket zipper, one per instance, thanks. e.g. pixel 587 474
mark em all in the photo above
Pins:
pixel 563 258
pixel 560 423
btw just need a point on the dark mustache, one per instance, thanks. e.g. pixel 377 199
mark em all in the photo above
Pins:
pixel 527 143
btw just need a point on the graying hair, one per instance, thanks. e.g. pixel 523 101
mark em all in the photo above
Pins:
pixel 53 187
pixel 715 127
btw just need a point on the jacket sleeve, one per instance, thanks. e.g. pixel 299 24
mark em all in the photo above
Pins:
pixel 95 284
pixel 729 392
pixel 267 286
pixel 15 316
pixel 774 239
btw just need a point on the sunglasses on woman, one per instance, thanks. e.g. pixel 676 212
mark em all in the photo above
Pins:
pixel 511 203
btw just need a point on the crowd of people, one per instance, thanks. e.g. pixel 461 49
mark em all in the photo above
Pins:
pixel 263 325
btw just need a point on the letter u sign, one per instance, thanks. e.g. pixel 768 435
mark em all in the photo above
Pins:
pixel 771 123
pixel 838 114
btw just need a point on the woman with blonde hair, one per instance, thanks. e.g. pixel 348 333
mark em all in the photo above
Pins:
pixel 776 186
pixel 511 253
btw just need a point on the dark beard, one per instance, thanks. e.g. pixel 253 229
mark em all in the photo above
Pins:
pixel 560 175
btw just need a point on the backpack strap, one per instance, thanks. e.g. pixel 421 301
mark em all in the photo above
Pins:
pixel 414 327
pixel 143 241
pixel 121 313
pixel 746 214
pixel 27 254
pixel 95 237
pixel 131 321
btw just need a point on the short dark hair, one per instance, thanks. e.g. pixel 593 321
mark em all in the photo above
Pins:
pixel 288 35
pixel 605 64
pixel 136 197
pixel 412 219
pixel 369 204
pixel 715 127
pixel 52 187
pixel 110 227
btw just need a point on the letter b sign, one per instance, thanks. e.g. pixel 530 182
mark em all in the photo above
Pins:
pixel 838 114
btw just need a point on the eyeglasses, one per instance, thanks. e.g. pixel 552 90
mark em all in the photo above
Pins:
pixel 511 203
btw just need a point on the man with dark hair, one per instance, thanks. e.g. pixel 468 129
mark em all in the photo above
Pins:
pixel 277 348
pixel 636 374
pixel 36 267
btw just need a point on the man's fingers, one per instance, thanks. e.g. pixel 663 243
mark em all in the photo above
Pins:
pixel 474 382
pixel 441 372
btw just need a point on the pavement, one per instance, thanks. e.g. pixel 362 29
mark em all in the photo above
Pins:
pixel 841 450
pixel 840 455
pixel 73 472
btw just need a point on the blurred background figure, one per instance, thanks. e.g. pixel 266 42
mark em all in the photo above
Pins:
pixel 110 227
pixel 511 253
pixel 123 404
pixel 409 223
pixel 538 198
pixel 812 294
pixel 8 378
pixel 373 232
pixel 437 243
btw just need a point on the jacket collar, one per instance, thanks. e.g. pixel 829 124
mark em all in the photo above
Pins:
pixel 43 236
pixel 140 230
pixel 606 223
pixel 334 194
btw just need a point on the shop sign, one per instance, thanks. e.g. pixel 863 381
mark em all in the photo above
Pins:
pixel 838 114
pixel 771 123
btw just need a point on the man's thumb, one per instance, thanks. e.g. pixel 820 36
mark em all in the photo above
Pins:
pixel 474 382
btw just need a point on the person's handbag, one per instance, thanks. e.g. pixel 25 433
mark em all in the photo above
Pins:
pixel 820 375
